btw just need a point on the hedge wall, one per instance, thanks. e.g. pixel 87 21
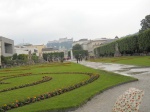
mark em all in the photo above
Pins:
pixel 128 45
pixel 51 55
pixel 139 43
pixel 144 41
pixel 106 50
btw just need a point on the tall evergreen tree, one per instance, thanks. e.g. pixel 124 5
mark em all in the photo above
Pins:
pixel 145 23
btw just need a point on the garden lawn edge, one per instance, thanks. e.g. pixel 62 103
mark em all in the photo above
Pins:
pixel 114 80
pixel 67 109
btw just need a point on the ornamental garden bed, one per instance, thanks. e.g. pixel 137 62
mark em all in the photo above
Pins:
pixel 53 87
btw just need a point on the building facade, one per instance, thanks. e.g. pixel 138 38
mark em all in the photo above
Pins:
pixel 38 47
pixel 61 44
pixel 6 47
pixel 90 45
pixel 25 50
pixel 81 42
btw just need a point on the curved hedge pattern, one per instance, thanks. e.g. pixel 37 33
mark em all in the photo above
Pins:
pixel 14 76
pixel 16 104
pixel 44 79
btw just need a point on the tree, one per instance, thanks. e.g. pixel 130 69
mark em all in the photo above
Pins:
pixel 15 56
pixel 77 47
pixel 145 23
pixel 35 57
pixel 23 57
pixel 5 60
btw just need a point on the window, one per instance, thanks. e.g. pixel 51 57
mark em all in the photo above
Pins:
pixel 8 48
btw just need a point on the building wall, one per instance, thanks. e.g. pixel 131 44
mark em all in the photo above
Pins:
pixel 51 51
pixel 81 41
pixel 20 51
pixel 85 46
pixel 7 46
pixel 38 47
pixel 25 50
pixel 62 43
pixel 90 45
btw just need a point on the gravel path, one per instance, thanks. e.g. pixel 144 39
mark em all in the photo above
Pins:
pixel 104 102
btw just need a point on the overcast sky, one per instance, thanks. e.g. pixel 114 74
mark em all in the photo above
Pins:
pixel 40 21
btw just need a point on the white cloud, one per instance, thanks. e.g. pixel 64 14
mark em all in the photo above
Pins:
pixel 36 20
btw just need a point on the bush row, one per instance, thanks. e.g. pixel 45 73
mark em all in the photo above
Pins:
pixel 14 76
pixel 50 56
pixel 133 44
pixel 28 100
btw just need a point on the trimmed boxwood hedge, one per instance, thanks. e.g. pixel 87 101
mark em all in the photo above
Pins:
pixel 144 41
pixel 138 43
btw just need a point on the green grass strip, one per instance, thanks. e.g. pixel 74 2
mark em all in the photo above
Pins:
pixel 129 60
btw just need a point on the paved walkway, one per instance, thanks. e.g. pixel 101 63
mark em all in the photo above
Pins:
pixel 104 102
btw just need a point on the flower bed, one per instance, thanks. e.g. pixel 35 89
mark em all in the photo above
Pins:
pixel 54 64
pixel 129 101
pixel 16 104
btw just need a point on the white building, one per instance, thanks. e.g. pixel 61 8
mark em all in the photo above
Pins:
pixel 38 48
pixel 81 41
pixel 90 45
pixel 25 50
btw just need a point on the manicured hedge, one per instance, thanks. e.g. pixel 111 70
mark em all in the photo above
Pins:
pixel 53 55
pixel 106 50
pixel 138 43
pixel 144 41
pixel 128 45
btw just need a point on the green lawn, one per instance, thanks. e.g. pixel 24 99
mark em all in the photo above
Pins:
pixel 66 100
pixel 131 60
